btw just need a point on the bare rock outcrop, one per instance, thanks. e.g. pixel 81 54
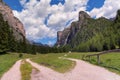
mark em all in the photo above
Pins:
pixel 65 36
pixel 14 23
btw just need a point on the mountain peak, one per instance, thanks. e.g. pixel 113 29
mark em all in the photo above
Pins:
pixel 118 16
pixel 118 12
pixel 83 15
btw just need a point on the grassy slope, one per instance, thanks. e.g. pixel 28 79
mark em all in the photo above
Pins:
pixel 6 61
pixel 110 61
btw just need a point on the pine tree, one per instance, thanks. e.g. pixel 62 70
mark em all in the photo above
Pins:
pixel 4 34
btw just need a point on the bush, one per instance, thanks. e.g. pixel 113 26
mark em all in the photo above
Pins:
pixel 20 55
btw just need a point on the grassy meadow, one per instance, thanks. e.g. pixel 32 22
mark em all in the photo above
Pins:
pixel 110 61
pixel 52 61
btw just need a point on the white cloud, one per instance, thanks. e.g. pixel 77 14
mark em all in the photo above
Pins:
pixel 108 10
pixel 34 14
pixel 71 5
pixel 23 2
pixel 50 43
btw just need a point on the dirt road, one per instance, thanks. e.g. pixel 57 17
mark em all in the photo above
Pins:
pixel 82 71
pixel 13 73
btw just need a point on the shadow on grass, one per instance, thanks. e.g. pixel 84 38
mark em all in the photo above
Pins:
pixel 3 53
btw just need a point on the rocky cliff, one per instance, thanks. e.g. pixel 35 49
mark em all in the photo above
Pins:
pixel 14 23
pixel 64 37
pixel 88 34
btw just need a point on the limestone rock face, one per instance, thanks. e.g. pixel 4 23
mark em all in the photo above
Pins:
pixel 65 36
pixel 62 37
pixel 83 15
pixel 14 23
pixel 89 34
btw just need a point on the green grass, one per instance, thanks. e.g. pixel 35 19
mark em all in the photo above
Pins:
pixel 6 61
pixel 110 61
pixel 80 55
pixel 26 70
pixel 52 61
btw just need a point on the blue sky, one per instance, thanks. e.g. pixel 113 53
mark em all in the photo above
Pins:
pixel 15 5
pixel 47 22
pixel 94 4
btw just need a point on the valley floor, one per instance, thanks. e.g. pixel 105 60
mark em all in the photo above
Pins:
pixel 81 71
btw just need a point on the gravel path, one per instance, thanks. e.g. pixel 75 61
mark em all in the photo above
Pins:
pixel 82 71
pixel 87 71
pixel 13 73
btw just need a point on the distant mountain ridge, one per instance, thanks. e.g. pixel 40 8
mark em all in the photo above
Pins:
pixel 88 34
